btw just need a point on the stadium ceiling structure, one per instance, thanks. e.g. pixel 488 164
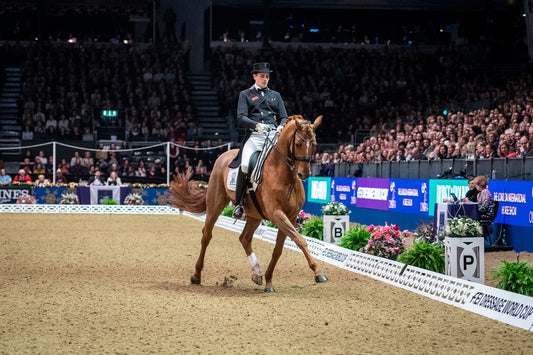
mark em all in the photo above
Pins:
pixel 431 5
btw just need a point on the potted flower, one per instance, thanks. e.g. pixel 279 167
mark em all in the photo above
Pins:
pixel 335 208
pixel 386 241
pixel 336 221
pixel 26 199
pixel 465 249
pixel 134 199
pixel 69 199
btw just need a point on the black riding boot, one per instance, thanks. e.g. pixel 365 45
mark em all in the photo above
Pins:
pixel 240 190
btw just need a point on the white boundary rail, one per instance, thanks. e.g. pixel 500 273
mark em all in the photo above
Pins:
pixel 504 306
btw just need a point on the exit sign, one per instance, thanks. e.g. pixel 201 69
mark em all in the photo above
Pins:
pixel 109 113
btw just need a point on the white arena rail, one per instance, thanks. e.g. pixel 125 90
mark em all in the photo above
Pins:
pixel 504 306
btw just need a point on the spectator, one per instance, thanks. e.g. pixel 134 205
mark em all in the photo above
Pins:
pixel 41 181
pixel 22 176
pixel 4 178
pixel 60 178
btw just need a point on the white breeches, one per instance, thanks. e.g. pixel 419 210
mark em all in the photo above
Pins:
pixel 255 142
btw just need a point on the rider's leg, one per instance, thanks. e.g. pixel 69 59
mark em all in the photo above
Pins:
pixel 242 179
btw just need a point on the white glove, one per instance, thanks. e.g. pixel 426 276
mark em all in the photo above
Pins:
pixel 280 127
pixel 262 128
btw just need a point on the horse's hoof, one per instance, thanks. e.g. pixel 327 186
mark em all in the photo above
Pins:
pixel 195 281
pixel 269 289
pixel 258 279
pixel 320 278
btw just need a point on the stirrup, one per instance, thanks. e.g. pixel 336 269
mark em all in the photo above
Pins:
pixel 238 211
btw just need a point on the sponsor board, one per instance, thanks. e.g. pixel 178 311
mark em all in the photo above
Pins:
pixel 409 196
pixel 373 193
pixel 318 190
pixel 11 194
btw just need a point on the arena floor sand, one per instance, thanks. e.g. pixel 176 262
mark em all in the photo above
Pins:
pixel 120 284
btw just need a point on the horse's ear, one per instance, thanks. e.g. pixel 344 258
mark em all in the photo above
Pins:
pixel 298 123
pixel 317 122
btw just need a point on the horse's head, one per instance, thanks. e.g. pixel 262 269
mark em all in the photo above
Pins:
pixel 300 141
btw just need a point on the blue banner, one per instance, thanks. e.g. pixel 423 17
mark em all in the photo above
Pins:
pixel 409 196
pixel 344 190
pixel 516 201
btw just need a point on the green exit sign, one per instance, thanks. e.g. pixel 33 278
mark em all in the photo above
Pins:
pixel 109 113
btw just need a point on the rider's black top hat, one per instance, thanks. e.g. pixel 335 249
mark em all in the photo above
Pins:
pixel 262 67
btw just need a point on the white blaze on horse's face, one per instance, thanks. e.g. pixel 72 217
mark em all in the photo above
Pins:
pixel 304 146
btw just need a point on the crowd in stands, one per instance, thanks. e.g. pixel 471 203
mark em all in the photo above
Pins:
pixel 65 87
pixel 385 93
pixel 389 95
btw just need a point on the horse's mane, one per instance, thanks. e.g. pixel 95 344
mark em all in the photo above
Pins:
pixel 305 124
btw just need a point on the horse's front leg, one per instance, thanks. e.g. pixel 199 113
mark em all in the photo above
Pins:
pixel 246 238
pixel 288 228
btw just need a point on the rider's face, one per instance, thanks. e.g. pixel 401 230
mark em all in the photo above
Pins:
pixel 261 79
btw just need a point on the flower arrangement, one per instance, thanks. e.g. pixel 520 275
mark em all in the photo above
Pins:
pixel 424 233
pixel 69 199
pixel 302 218
pixel 463 226
pixel 335 209
pixel 26 199
pixel 133 199
pixel 385 241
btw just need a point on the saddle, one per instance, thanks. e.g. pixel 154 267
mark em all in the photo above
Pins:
pixel 257 161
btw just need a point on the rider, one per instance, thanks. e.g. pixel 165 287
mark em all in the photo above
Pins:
pixel 260 110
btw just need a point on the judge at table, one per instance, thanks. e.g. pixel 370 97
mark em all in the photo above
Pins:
pixel 113 179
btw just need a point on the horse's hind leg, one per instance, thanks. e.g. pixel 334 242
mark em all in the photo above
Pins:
pixel 246 241
pixel 215 207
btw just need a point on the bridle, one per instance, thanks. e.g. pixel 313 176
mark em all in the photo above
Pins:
pixel 291 159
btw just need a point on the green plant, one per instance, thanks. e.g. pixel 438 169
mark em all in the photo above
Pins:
pixel 515 277
pixel 228 210
pixel 108 201
pixel 429 256
pixel 269 224
pixel 335 209
pixel 314 228
pixel 355 238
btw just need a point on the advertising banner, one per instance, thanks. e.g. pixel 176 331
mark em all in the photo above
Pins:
pixel 318 189
pixel 443 189
pixel 409 196
pixel 373 193
pixel 516 201
pixel 11 194
pixel 344 190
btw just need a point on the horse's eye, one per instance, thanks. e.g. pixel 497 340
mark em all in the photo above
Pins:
pixel 298 145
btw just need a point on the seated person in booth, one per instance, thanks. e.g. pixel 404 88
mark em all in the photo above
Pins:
pixel 487 208
pixel 41 180
pixel 113 179
pixel 22 176
pixel 471 195
pixel 97 179
pixel 4 177
pixel 60 178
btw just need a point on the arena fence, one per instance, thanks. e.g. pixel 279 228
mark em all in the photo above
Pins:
pixel 504 306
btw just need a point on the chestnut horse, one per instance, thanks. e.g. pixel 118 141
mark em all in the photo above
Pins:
pixel 280 197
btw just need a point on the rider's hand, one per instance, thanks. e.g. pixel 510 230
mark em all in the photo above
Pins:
pixel 262 128
pixel 280 127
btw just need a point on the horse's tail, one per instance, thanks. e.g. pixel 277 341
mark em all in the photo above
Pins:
pixel 188 195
